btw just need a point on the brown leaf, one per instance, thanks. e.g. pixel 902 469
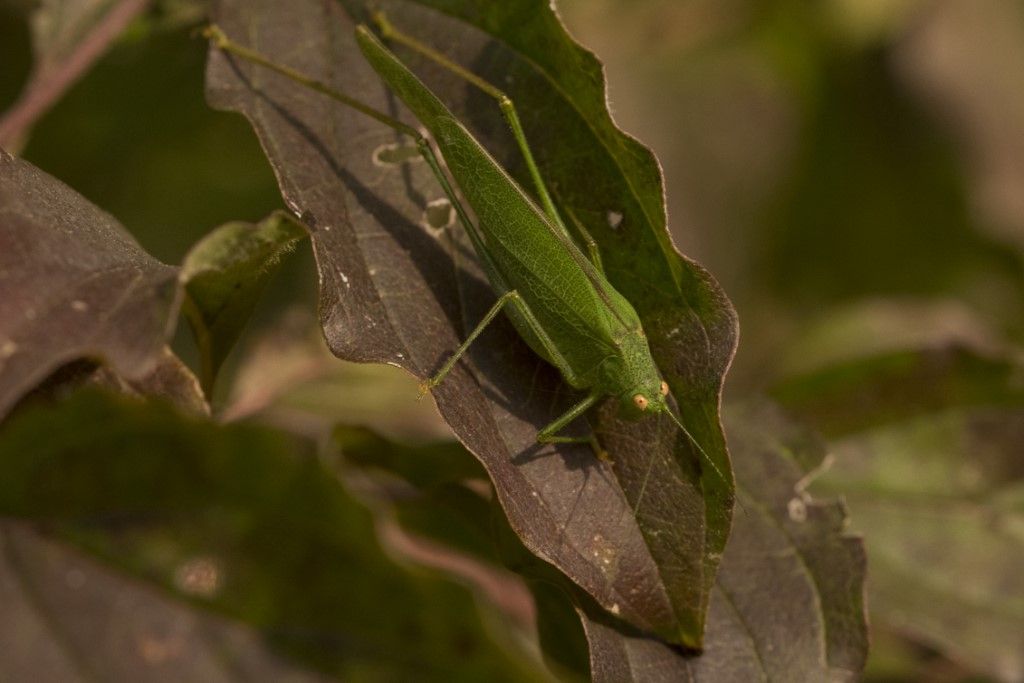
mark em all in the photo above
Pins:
pixel 642 537
pixel 73 284
pixel 788 603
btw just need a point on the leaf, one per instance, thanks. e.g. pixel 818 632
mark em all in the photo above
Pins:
pixel 77 286
pixel 937 488
pixel 423 466
pixel 73 284
pixel 448 519
pixel 224 275
pixel 393 292
pixel 155 155
pixel 452 507
pixel 788 602
pixel 170 380
pixel 67 619
pixel 876 327
pixel 246 521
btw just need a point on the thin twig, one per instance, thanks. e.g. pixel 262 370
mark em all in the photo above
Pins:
pixel 45 87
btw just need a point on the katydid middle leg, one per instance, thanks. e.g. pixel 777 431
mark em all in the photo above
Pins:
pixel 547 434
pixel 508 108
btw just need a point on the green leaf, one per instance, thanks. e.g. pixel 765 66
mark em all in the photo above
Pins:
pixel 73 284
pixel 392 292
pixel 246 521
pixel 788 602
pixel 224 275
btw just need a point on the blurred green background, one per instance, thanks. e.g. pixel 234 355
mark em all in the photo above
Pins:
pixel 852 171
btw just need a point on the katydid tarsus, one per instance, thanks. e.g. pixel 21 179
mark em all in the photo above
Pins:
pixel 558 298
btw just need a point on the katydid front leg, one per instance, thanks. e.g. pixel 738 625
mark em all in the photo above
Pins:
pixel 547 434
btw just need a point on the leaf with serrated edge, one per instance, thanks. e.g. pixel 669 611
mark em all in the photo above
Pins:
pixel 931 470
pixel 394 292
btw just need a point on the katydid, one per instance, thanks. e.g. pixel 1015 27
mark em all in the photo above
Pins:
pixel 558 298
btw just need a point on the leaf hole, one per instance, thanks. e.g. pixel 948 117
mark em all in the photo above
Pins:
pixel 438 215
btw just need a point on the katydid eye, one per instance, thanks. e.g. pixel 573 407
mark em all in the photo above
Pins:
pixel 641 401
pixel 664 388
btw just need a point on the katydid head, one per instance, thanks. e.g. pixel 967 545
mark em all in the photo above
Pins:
pixel 646 399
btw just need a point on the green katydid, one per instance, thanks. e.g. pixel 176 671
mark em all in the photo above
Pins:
pixel 558 299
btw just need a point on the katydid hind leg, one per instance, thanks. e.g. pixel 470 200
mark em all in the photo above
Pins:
pixel 481 326
pixel 589 242
pixel 505 104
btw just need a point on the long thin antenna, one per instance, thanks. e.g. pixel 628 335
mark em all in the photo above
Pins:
pixel 682 427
